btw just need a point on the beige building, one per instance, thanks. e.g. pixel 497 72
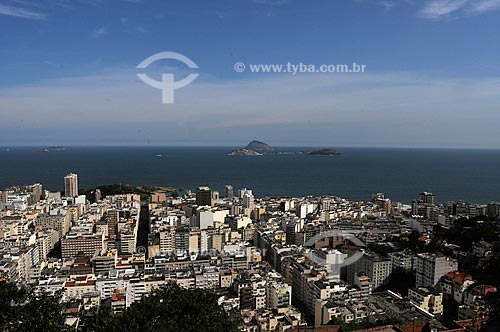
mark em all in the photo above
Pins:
pixel 427 299
pixel 74 245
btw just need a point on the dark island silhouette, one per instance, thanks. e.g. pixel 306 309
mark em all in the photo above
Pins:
pixel 259 148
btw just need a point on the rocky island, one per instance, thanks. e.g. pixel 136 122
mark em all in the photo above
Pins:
pixel 324 152
pixel 244 152
pixel 52 148
pixel 251 149
pixel 258 146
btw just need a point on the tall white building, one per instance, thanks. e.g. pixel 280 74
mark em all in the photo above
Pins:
pixel 243 191
pixel 229 192
pixel 206 218
pixel 377 268
pixel 248 201
pixel 431 267
pixel 71 185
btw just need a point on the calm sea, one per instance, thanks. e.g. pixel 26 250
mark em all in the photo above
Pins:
pixel 471 175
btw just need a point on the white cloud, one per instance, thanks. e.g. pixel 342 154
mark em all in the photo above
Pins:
pixel 272 2
pixel 485 5
pixel 364 109
pixel 438 9
pixel 21 12
pixel 441 9
pixel 99 32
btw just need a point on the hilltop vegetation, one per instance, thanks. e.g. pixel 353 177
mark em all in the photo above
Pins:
pixel 114 189
pixel 168 309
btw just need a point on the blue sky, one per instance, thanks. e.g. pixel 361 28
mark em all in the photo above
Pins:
pixel 68 72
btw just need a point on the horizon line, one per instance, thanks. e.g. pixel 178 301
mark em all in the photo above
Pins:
pixel 275 147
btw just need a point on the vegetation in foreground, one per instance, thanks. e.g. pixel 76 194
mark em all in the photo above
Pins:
pixel 169 308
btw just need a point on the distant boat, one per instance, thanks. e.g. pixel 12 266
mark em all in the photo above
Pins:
pixel 55 148
pixel 161 155
pixel 52 148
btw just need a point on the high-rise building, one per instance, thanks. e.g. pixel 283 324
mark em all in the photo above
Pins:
pixel 493 209
pixel 37 192
pixel 292 228
pixel 3 197
pixel 167 240
pixel 278 295
pixel 204 196
pixel 194 239
pixel 243 191
pixel 113 216
pixel 377 268
pixel 383 203
pixel 248 201
pixel 98 195
pixel 71 185
pixel 182 240
pixel 229 192
pixel 427 198
pixel 402 260
pixel 215 242
pixel 81 245
pixel 431 267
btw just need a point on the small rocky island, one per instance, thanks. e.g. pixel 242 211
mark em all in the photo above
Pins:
pixel 258 146
pixel 52 148
pixel 244 152
pixel 324 152
pixel 254 148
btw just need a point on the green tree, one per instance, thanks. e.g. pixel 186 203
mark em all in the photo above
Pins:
pixel 168 308
pixel 26 309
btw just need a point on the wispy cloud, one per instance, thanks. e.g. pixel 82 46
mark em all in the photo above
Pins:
pixel 272 2
pixel 486 5
pixel 386 4
pixel 440 9
pixel 423 110
pixel 99 32
pixel 21 12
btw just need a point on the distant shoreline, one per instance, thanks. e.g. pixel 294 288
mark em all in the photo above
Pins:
pixel 3 147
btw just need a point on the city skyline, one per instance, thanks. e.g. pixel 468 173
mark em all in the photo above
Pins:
pixel 281 262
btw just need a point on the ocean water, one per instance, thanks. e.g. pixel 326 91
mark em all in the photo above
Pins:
pixel 471 175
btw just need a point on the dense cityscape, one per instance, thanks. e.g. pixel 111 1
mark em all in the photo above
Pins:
pixel 281 263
